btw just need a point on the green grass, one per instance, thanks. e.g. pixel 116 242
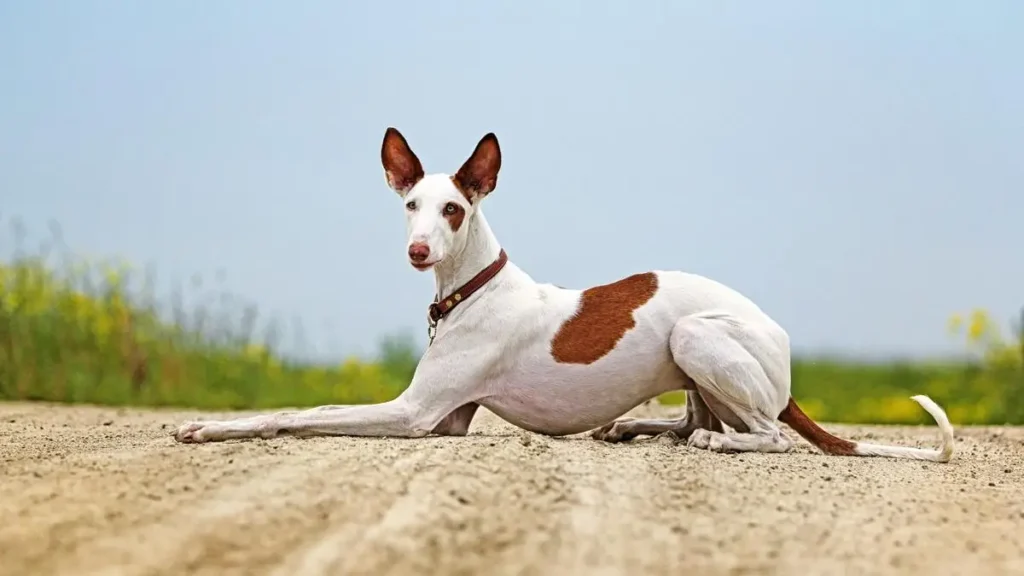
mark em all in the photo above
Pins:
pixel 82 332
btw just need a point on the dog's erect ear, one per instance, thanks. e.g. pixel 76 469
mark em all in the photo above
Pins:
pixel 401 167
pixel 479 174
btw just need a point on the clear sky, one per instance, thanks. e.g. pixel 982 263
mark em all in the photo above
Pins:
pixel 855 167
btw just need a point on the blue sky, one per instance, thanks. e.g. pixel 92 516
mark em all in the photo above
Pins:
pixel 854 167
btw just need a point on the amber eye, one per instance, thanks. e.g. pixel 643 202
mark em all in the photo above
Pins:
pixel 451 208
pixel 410 205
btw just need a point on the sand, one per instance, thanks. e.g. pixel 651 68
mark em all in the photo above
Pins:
pixel 86 490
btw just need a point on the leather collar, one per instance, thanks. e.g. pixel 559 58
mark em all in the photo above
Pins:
pixel 441 307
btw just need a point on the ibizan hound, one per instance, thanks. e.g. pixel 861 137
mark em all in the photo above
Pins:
pixel 557 361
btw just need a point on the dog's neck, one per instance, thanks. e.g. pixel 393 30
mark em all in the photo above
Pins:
pixel 479 251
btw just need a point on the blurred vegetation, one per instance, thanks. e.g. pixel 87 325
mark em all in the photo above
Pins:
pixel 94 332
pixel 73 330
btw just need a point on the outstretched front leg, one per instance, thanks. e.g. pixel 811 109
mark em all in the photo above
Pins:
pixel 439 400
pixel 395 418
pixel 697 417
pixel 388 419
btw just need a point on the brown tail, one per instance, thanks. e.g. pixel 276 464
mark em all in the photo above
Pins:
pixel 829 444
pixel 795 418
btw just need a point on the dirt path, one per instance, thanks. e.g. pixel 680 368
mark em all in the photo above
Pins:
pixel 102 491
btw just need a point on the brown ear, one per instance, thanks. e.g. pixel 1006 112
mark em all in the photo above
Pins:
pixel 401 166
pixel 479 174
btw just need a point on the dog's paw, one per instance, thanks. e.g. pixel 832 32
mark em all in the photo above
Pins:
pixel 618 431
pixel 194 432
pixel 709 440
pixel 718 442
pixel 700 438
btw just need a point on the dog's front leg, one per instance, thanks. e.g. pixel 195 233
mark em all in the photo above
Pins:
pixel 395 418
pixel 442 396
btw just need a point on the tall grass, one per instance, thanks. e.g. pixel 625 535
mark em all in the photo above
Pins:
pixel 73 330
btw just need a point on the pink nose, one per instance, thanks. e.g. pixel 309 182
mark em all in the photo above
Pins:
pixel 419 252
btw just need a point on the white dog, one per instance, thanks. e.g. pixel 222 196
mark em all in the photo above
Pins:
pixel 557 361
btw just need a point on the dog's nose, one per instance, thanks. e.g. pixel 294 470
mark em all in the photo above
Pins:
pixel 418 252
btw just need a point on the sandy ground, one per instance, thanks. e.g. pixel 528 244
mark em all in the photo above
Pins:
pixel 88 490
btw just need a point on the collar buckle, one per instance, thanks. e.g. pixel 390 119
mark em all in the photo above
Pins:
pixel 438 309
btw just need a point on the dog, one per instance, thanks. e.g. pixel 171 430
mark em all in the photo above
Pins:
pixel 558 361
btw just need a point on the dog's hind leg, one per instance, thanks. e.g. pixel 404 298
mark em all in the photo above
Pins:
pixel 741 371
pixel 697 416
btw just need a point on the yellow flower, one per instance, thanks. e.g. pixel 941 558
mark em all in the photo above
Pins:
pixel 978 326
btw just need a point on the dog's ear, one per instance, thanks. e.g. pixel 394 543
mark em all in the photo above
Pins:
pixel 401 166
pixel 479 174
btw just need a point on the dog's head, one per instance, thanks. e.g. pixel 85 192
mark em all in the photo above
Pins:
pixel 438 208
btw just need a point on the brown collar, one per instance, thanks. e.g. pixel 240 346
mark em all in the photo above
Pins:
pixel 441 307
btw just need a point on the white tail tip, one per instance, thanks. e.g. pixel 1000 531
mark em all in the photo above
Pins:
pixel 943 454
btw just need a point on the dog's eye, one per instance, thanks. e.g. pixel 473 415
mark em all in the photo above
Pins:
pixel 450 208
pixel 410 205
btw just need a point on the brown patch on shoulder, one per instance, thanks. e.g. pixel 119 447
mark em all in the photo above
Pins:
pixel 456 217
pixel 604 316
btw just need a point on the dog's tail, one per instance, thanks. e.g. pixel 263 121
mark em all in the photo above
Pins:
pixel 795 418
